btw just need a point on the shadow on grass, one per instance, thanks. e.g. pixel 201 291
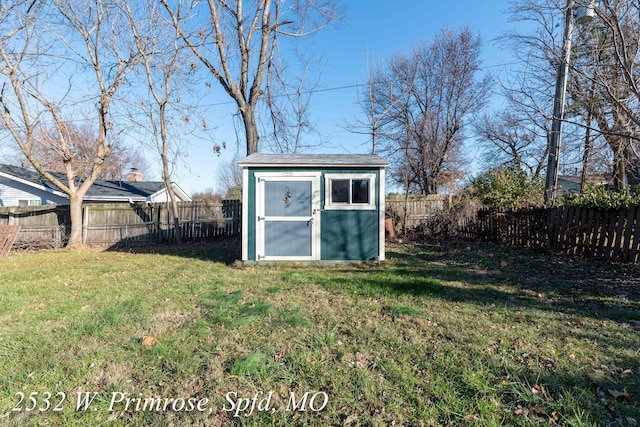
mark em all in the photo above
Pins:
pixel 587 289
pixel 567 299
pixel 224 251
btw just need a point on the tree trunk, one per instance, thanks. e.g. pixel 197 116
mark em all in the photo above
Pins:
pixel 75 209
pixel 619 166
pixel 586 155
pixel 176 214
pixel 172 203
pixel 251 129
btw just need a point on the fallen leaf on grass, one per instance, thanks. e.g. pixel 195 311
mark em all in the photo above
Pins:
pixel 351 418
pixel 632 421
pixel 519 411
pixel 503 264
pixel 537 410
pixel 281 355
pixel 115 415
pixel 362 359
pixel 620 396
pixel 149 341
pixel 536 389
pixel 359 360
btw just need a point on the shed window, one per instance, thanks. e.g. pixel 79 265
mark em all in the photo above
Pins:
pixel 360 191
pixel 340 191
pixel 349 191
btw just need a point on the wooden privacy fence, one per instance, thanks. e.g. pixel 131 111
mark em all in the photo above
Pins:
pixel 8 234
pixel 411 212
pixel 151 223
pixel 123 223
pixel 40 226
pixel 572 230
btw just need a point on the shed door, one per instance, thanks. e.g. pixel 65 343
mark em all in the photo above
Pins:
pixel 288 219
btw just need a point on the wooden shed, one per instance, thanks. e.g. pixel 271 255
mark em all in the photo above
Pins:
pixel 320 207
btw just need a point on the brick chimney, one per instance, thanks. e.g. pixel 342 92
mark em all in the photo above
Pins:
pixel 135 175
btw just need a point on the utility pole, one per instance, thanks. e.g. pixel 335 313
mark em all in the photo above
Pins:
pixel 555 135
pixel 583 16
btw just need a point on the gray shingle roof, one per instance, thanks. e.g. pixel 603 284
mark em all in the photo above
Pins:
pixel 344 160
pixel 26 175
pixel 101 190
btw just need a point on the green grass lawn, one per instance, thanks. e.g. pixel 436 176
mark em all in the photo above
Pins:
pixel 479 335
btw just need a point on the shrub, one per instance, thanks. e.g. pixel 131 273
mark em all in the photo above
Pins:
pixel 507 187
pixel 599 197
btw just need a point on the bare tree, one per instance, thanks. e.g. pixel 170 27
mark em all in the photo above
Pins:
pixel 207 195
pixel 163 68
pixel 516 135
pixel 439 90
pixel 288 100
pixel 237 41
pixel 511 141
pixel 81 139
pixel 377 102
pixel 56 58
pixel 606 82
pixel 601 76
pixel 618 28
pixel 230 180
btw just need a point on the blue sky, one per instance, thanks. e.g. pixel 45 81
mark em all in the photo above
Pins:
pixel 372 31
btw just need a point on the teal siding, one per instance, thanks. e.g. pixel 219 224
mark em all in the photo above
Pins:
pixel 349 235
pixel 345 235
pixel 251 223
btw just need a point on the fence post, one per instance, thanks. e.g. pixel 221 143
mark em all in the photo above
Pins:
pixel 193 222
pixel 159 216
pixel 85 224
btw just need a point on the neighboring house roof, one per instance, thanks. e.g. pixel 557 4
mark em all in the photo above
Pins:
pixel 591 179
pixel 140 190
pixel 26 175
pixel 571 183
pixel 102 190
pixel 311 160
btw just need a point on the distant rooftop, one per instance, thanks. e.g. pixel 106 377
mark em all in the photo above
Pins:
pixel 100 190
pixel 344 160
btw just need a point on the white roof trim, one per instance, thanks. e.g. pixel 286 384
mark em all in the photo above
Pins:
pixel 176 188
pixel 34 185
pixel 114 198
pixel 311 165
pixel 325 161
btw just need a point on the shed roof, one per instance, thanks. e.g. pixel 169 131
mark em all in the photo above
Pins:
pixel 309 160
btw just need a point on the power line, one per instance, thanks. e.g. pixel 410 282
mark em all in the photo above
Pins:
pixel 309 92
pixel 355 85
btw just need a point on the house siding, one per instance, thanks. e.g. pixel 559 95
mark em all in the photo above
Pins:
pixel 12 191
pixel 17 183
